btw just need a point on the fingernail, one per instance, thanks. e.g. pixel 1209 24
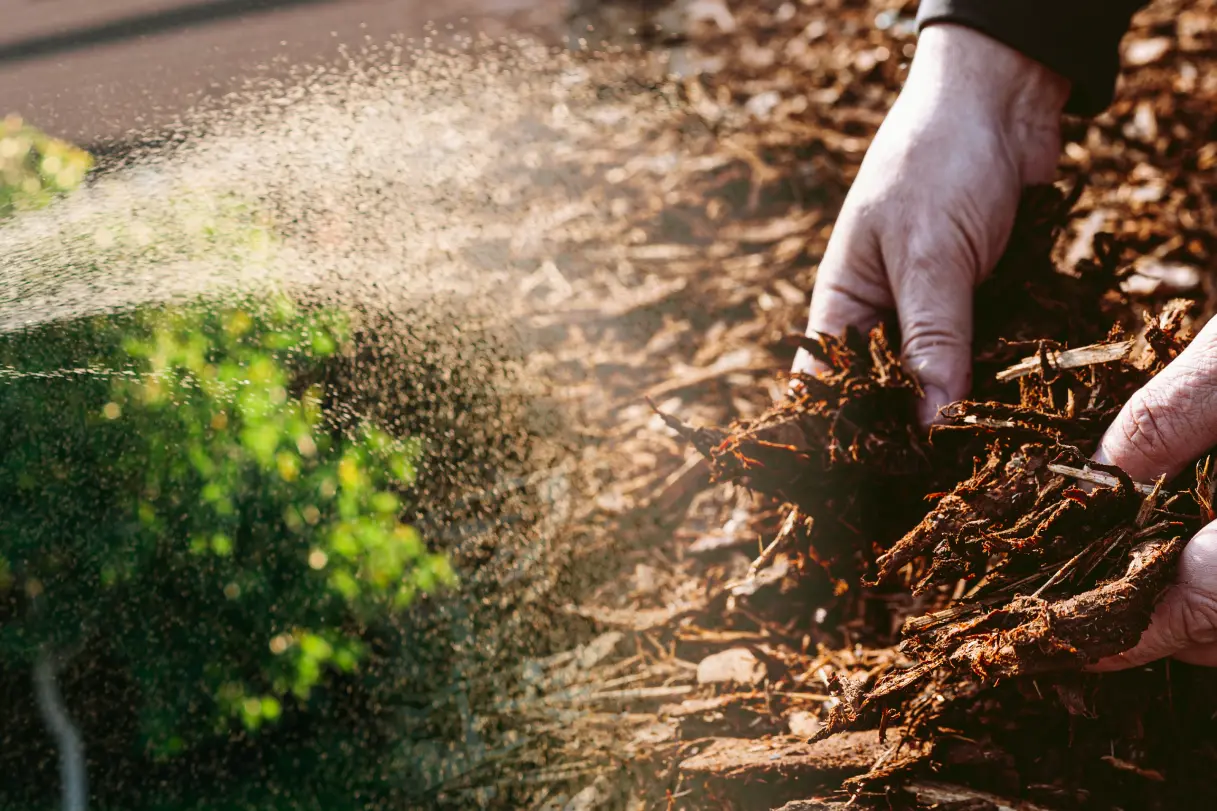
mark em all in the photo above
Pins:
pixel 935 399
pixel 806 363
pixel 803 362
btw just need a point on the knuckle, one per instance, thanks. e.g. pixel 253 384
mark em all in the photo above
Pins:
pixel 1168 423
pixel 1148 433
pixel 1141 425
pixel 1193 618
pixel 922 333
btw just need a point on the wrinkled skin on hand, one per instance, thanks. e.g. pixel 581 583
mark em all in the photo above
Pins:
pixel 934 202
pixel 927 219
pixel 1160 431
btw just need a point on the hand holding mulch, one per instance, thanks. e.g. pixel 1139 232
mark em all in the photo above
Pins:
pixel 931 210
pixel 1050 575
pixel 1159 432
pixel 1035 559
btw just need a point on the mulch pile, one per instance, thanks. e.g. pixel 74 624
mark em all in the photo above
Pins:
pixel 1020 573
pixel 821 605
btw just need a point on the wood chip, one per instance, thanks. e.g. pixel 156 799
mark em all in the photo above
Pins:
pixel 693 476
pixel 792 521
pixel 636 694
pixel 773 230
pixel 946 797
pixel 733 666
pixel 1098 477
pixel 721 541
pixel 698 706
pixel 833 758
pixel 1125 766
pixel 1142 52
pixel 1069 359
pixel 596 651
pixel 631 619
pixel 804 724
pixel 597 795
pixel 744 363
pixel 765 577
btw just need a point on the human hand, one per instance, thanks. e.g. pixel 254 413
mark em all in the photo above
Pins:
pixel 1165 427
pixel 934 202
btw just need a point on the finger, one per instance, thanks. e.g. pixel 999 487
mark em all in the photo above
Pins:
pixel 935 307
pixel 836 306
pixel 1202 655
pixel 850 290
pixel 1185 619
pixel 1172 420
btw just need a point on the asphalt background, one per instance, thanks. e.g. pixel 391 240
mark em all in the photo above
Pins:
pixel 103 73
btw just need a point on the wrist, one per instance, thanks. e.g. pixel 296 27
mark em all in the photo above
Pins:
pixel 961 60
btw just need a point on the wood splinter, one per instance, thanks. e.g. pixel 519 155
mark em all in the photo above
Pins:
pixel 1097 477
pixel 1069 359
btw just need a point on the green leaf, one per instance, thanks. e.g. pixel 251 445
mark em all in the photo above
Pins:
pixel 314 647
pixel 221 544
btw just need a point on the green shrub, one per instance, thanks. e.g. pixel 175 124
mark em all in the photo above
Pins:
pixel 34 168
pixel 173 499
pixel 163 557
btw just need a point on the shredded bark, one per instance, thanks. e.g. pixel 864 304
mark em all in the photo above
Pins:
pixel 940 593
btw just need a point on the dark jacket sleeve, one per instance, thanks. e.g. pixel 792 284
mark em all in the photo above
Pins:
pixel 1079 39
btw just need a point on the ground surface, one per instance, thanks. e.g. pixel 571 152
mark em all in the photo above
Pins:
pixel 94 71
pixel 721 667
pixel 661 244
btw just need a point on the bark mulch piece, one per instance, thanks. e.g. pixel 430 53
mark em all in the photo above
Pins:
pixel 829 760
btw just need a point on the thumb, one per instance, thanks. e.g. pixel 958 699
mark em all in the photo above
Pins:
pixel 1185 619
pixel 1172 420
pixel 935 309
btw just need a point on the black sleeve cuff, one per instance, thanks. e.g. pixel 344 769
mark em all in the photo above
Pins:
pixel 1079 39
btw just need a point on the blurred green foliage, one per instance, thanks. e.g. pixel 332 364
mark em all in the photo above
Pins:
pixel 173 499
pixel 34 167
pixel 197 517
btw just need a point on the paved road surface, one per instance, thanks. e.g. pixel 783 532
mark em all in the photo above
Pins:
pixel 99 71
